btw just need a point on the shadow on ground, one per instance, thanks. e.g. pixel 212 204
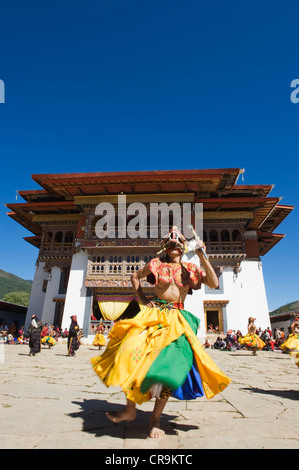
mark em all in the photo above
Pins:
pixel 95 421
pixel 288 394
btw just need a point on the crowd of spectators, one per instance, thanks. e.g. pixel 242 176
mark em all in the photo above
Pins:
pixel 10 334
pixel 230 342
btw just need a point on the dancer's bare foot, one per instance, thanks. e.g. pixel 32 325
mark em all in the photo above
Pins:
pixel 155 430
pixel 128 413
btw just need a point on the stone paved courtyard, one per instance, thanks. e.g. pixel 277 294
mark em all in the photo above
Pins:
pixel 52 401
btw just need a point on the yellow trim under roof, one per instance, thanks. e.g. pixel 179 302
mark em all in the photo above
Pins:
pixel 56 217
pixel 145 198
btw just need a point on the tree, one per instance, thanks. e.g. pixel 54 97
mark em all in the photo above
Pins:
pixel 19 298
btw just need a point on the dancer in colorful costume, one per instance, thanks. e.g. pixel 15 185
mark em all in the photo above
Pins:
pixel 47 336
pixel 157 353
pixel 99 339
pixel 34 334
pixel 49 340
pixel 73 342
pixel 291 345
pixel 252 340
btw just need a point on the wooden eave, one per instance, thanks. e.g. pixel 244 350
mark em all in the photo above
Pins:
pixel 37 195
pixel 261 207
pixel 43 207
pixel 217 189
pixel 251 203
pixel 80 184
pixel 267 241
pixel 242 190
pixel 35 241
pixel 23 213
pixel 279 213
pixel 261 214
pixel 26 222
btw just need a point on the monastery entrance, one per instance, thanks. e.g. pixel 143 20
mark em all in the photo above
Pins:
pixel 59 308
pixel 212 319
pixel 215 314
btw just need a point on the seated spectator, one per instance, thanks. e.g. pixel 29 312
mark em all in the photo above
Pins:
pixel 265 336
pixel 10 339
pixel 219 344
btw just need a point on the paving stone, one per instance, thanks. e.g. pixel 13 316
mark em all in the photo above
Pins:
pixel 51 401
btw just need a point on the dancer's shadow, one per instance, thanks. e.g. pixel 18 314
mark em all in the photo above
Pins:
pixel 288 394
pixel 236 354
pixel 95 421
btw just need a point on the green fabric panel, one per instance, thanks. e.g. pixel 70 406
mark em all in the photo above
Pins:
pixel 174 362
pixel 191 319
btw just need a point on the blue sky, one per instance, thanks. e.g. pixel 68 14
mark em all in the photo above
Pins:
pixel 111 85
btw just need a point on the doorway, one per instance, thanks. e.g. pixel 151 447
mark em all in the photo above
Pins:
pixel 59 308
pixel 212 319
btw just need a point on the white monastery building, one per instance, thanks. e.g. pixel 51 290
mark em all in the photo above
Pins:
pixel 79 273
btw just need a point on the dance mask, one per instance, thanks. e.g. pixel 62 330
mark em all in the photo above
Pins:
pixel 175 239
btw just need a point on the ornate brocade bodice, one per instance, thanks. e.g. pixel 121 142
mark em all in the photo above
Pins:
pixel 181 273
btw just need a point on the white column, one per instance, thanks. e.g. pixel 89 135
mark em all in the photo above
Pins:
pixel 231 291
pixel 246 294
pixel 52 291
pixel 37 295
pixel 252 295
pixel 75 301
pixel 194 303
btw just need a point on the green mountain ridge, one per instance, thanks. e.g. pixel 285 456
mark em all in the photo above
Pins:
pixel 286 308
pixel 12 283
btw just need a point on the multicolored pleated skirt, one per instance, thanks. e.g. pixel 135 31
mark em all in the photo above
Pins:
pixel 159 346
pixel 252 341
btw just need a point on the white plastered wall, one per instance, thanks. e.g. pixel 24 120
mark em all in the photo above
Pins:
pixel 75 301
pixel 37 295
pixel 52 292
pixel 252 296
pixel 246 296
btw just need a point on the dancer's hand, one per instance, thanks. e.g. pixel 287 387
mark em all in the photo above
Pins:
pixel 199 245
pixel 150 303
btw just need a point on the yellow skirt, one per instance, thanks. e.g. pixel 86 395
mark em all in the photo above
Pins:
pixel 99 340
pixel 252 341
pixel 136 343
pixel 291 343
pixel 48 340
